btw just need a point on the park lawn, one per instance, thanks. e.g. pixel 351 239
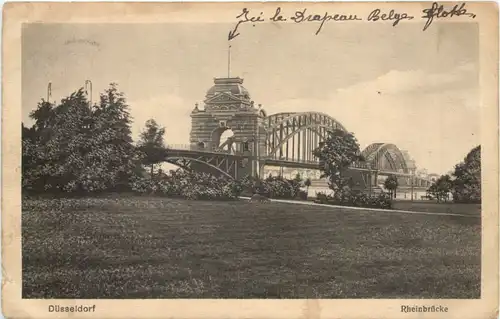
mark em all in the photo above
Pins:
pixel 435 207
pixel 146 247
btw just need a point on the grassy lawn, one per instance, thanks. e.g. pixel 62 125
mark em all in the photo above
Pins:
pixel 435 207
pixel 140 247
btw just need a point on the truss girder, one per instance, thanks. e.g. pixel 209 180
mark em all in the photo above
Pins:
pixel 225 165
pixel 377 154
pixel 293 136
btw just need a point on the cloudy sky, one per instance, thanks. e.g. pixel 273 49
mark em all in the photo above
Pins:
pixel 418 90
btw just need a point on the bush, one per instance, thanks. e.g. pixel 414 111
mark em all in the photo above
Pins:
pixel 467 194
pixel 302 195
pixel 272 187
pixel 188 185
pixel 355 200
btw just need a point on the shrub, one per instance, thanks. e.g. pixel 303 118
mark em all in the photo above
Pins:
pixel 355 200
pixel 302 195
pixel 272 187
pixel 188 185
pixel 322 197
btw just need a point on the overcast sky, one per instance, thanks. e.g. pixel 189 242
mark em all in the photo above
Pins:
pixel 418 90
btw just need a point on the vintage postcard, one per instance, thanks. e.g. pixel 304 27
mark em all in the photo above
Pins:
pixel 250 160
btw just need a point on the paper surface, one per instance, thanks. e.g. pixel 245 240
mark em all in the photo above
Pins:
pixel 409 79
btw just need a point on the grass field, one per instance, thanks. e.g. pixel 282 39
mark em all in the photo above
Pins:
pixel 435 207
pixel 141 247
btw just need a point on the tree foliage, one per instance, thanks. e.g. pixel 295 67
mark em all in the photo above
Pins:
pixel 307 183
pixel 391 183
pixel 336 154
pixel 467 178
pixel 152 144
pixel 441 188
pixel 77 147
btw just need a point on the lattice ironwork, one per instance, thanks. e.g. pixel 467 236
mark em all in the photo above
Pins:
pixel 290 139
pixel 294 136
pixel 225 165
pixel 385 157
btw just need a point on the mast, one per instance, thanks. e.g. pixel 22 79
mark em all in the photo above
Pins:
pixel 229 61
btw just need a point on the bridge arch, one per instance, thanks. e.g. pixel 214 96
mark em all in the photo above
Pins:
pixel 294 136
pixel 196 164
pixel 385 157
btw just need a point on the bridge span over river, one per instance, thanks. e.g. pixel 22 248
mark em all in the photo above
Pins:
pixel 284 140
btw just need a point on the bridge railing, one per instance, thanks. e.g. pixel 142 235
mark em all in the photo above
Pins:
pixel 179 146
pixel 190 147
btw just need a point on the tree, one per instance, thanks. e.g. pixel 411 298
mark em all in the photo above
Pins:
pixel 391 183
pixel 112 138
pixel 53 146
pixel 298 178
pixel 441 188
pixel 152 145
pixel 467 178
pixel 76 147
pixel 307 184
pixel 336 154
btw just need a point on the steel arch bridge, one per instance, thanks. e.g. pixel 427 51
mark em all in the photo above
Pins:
pixel 287 140
pixel 385 157
pixel 294 136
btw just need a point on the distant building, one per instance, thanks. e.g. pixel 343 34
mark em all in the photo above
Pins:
pixel 432 177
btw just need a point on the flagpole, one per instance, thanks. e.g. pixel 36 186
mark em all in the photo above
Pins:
pixel 229 61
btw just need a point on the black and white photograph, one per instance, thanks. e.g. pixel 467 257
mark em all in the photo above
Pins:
pixel 287 151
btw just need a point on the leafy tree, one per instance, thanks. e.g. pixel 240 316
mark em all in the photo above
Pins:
pixel 52 145
pixel 391 183
pixel 113 139
pixel 441 188
pixel 43 116
pixel 307 183
pixel 336 154
pixel 74 147
pixel 298 178
pixel 467 178
pixel 152 145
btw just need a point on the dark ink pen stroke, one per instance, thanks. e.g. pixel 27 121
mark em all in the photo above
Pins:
pixel 437 11
pixel 234 33
pixel 300 16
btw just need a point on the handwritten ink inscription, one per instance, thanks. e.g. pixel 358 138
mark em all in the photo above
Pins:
pixel 244 18
pixel 377 15
pixel 305 16
pixel 437 11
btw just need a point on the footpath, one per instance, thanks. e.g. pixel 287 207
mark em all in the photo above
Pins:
pixel 295 202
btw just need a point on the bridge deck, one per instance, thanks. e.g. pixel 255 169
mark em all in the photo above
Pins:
pixel 298 164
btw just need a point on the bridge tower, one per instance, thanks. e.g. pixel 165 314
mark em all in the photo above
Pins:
pixel 228 106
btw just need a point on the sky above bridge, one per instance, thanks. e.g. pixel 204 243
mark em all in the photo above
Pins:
pixel 418 90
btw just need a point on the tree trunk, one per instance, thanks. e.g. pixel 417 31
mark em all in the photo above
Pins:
pixel 152 166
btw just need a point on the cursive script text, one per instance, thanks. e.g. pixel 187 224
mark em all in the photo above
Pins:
pixel 376 15
pixel 302 16
pixel 244 17
pixel 437 11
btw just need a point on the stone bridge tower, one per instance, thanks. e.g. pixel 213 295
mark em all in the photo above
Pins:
pixel 228 106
